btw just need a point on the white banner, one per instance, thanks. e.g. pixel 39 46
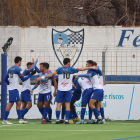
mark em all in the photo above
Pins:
pixel 121 102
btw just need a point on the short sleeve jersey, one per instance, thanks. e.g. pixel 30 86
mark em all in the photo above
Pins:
pixel 14 74
pixel 84 83
pixel 45 84
pixel 26 84
pixel 95 80
pixel 65 75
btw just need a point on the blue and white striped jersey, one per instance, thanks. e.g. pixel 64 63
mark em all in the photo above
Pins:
pixel 45 84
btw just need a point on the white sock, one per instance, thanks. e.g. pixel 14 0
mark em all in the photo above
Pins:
pixel 95 120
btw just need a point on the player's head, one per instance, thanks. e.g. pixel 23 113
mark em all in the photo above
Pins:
pixel 18 60
pixel 90 63
pixel 66 61
pixel 44 66
pixel 29 65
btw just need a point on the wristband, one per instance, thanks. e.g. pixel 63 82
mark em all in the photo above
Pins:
pixel 33 88
pixel 43 77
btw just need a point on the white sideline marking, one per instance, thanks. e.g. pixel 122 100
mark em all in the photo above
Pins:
pixel 71 130
pixel 10 125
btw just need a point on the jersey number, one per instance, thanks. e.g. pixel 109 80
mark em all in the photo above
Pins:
pixel 67 75
pixel 11 74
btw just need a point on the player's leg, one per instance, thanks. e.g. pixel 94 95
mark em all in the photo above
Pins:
pixel 50 115
pixel 67 98
pixel 40 103
pixel 59 100
pixel 90 115
pixel 23 106
pixel 72 109
pixel 101 107
pixel 7 111
pixel 26 98
pixel 94 98
pixel 47 99
pixel 62 113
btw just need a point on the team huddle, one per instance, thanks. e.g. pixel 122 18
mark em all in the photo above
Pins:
pixel 68 88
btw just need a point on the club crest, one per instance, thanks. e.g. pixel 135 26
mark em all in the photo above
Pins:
pixel 67 44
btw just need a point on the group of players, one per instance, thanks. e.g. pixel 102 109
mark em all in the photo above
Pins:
pixel 68 89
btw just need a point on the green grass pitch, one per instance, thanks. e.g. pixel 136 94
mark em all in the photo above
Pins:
pixel 112 130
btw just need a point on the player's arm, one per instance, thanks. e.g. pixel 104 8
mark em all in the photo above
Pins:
pixel 47 76
pixel 33 67
pixel 37 69
pixel 36 85
pixel 27 77
pixel 55 87
pixel 78 88
pixel 85 75
pixel 6 79
pixel 87 68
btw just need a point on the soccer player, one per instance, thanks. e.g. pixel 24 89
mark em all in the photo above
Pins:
pixel 44 97
pixel 76 94
pixel 13 74
pixel 98 90
pixel 26 87
pixel 87 88
pixel 65 75
pixel 99 103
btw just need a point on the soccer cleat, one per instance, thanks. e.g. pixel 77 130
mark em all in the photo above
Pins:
pixel 21 121
pixel 94 122
pixel 71 122
pixel 61 121
pixel 88 122
pixel 49 121
pixel 6 122
pixel 80 122
pixel 76 120
pixel 57 122
pixel 67 122
pixel 103 122
pixel 43 122
pixel 99 121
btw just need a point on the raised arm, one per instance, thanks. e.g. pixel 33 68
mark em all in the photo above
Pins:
pixel 33 67
pixel 85 75
pixel 37 69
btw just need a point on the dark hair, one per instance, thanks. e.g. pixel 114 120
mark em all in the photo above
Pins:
pixel 29 63
pixel 17 59
pixel 93 63
pixel 66 60
pixel 46 65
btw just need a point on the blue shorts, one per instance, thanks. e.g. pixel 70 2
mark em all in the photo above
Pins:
pixel 26 96
pixel 76 95
pixel 45 97
pixel 63 96
pixel 86 96
pixel 14 96
pixel 97 94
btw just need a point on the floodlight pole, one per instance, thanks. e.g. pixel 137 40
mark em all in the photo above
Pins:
pixel 3 84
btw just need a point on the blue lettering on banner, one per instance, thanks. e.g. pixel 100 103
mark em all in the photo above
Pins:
pixel 135 41
pixel 128 138
pixel 123 37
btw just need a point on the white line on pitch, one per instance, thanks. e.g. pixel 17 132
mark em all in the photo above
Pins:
pixel 71 130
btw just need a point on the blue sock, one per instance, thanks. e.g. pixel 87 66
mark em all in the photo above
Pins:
pixel 96 112
pixel 21 111
pixel 57 115
pixel 24 112
pixel 90 114
pixel 19 114
pixel 96 117
pixel 50 114
pixel 71 116
pixel 41 111
pixel 63 113
pixel 75 115
pixel 46 110
pixel 102 112
pixel 67 112
pixel 83 110
pixel 6 115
